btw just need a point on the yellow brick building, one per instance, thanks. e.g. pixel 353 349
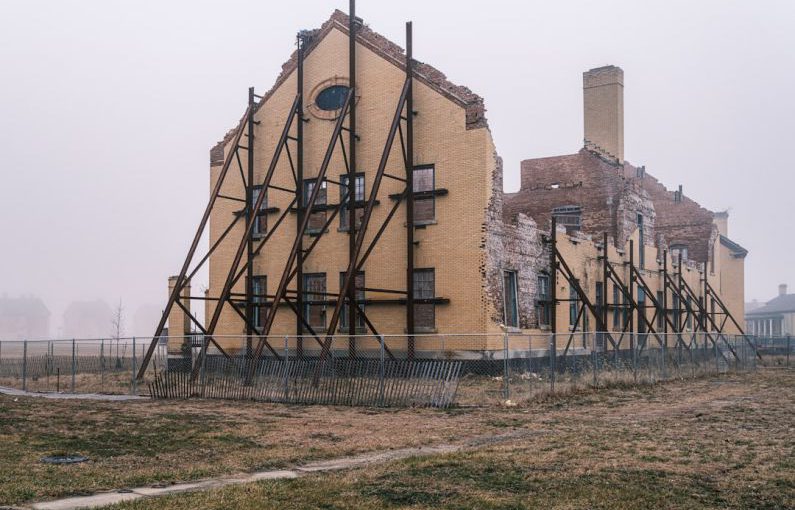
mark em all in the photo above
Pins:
pixel 481 258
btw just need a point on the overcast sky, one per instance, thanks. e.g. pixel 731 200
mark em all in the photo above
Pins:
pixel 108 109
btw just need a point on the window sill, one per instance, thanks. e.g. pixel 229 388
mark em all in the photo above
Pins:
pixel 423 331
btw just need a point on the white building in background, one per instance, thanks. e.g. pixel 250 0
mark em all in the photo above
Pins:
pixel 774 318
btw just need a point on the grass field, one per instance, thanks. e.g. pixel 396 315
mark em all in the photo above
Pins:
pixel 727 442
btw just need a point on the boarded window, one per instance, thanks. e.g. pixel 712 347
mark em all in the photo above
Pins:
pixel 425 289
pixel 317 217
pixel 617 326
pixel 359 191
pixel 510 299
pixel 543 306
pixel 315 300
pixel 360 324
pixel 424 184
pixel 260 217
pixel 660 311
pixel 259 298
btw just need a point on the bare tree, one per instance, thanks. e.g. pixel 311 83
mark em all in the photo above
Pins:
pixel 117 328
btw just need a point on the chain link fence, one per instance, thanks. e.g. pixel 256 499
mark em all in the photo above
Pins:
pixel 390 370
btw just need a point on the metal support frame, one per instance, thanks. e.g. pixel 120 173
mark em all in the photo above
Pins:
pixel 249 247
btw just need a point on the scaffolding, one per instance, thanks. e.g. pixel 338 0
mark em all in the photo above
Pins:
pixel 690 307
pixel 291 146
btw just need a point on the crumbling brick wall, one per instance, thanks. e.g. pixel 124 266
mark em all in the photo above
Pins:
pixel 609 201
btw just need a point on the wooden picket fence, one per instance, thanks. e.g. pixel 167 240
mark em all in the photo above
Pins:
pixel 353 382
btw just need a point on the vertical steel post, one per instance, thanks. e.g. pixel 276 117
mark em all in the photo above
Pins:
pixel 299 199
pixel 352 179
pixel 382 372
pixel 133 379
pixel 664 310
pixel 789 344
pixel 553 299
pixel 286 368
pixel 505 367
pixel 251 215
pixel 632 310
pixel 102 365
pixel 203 376
pixel 74 365
pixel 25 365
pixel 410 327
pixel 605 293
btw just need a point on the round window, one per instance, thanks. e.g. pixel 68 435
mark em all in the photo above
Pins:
pixel 332 98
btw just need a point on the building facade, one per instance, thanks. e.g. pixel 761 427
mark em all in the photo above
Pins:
pixel 481 261
pixel 775 318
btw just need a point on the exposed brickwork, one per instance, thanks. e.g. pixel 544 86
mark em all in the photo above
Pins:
pixel 684 222
pixel 609 201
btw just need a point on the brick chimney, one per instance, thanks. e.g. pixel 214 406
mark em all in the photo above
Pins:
pixel 721 220
pixel 782 289
pixel 603 108
pixel 178 320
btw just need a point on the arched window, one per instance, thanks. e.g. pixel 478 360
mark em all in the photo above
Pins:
pixel 332 98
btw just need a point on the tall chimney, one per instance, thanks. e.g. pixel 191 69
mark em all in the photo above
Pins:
pixel 782 289
pixel 603 98
pixel 178 320
pixel 721 220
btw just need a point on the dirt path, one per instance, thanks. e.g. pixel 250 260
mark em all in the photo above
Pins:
pixel 351 462
pixel 12 392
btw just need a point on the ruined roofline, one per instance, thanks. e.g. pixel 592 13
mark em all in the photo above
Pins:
pixel 472 103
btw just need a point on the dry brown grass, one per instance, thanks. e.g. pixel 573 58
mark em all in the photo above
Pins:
pixel 726 440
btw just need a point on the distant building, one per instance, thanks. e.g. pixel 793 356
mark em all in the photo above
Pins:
pixel 774 318
pixel 87 319
pixel 23 318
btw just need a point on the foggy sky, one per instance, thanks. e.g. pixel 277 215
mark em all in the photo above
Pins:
pixel 108 110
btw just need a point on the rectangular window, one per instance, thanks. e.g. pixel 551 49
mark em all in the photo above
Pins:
pixel 543 306
pixel 315 300
pixel 600 298
pixel 616 308
pixel 360 324
pixel 641 247
pixel 317 216
pixel 424 288
pixel 261 217
pixel 660 311
pixel 689 311
pixel 569 216
pixel 574 306
pixel 641 310
pixel 677 313
pixel 510 302
pixel 259 298
pixel 424 184
pixel 359 198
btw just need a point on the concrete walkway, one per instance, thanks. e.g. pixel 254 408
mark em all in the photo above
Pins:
pixel 13 392
pixel 109 498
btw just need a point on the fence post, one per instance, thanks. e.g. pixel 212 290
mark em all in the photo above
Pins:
pixel 286 368
pixel 789 342
pixel 204 375
pixel 74 364
pixel 633 345
pixel 717 362
pixel 25 366
pixel 102 365
pixel 133 380
pixel 382 382
pixel 594 359
pixel 552 361
pixel 505 368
